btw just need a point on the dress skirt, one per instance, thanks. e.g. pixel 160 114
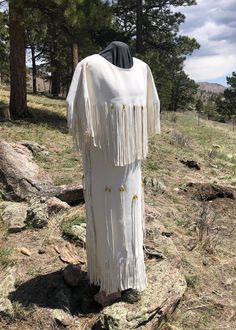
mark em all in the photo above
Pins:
pixel 114 199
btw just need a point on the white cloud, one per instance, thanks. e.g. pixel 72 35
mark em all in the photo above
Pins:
pixel 213 24
pixel 206 68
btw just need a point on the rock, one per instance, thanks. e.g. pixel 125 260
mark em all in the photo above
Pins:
pixel 158 245
pixel 7 282
pixel 166 286
pixel 35 148
pixel 154 185
pixel 72 274
pixel 79 233
pixel 71 194
pixel 25 251
pixel 191 164
pixel 6 307
pixel 41 251
pixel 14 215
pixel 37 213
pixel 62 318
pixel 55 205
pixel 20 176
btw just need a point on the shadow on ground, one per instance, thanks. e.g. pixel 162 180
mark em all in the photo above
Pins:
pixel 51 291
pixel 49 118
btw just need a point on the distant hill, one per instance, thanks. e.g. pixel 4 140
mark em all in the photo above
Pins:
pixel 211 88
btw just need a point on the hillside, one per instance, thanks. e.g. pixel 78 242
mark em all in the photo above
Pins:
pixel 211 88
pixel 197 208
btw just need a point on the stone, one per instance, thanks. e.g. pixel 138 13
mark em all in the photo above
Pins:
pixel 79 233
pixel 37 213
pixel 55 205
pixel 25 251
pixel 62 318
pixel 191 164
pixel 154 185
pixel 35 148
pixel 166 286
pixel 20 176
pixel 7 285
pixel 6 307
pixel 71 194
pixel 14 214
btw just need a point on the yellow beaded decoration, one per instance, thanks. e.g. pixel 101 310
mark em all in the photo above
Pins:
pixel 123 107
pixel 108 189
pixel 142 107
pixel 112 106
pixel 121 189
pixel 135 197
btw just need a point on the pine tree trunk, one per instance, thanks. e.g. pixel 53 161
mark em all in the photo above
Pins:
pixel 18 97
pixel 139 26
pixel 55 74
pixel 34 70
pixel 75 55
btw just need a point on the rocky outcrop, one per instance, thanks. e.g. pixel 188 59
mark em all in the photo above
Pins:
pixel 21 178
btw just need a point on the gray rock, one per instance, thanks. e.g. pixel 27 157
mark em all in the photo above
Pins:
pixel 79 233
pixel 37 213
pixel 20 176
pixel 166 286
pixel 13 215
pixel 154 185
pixel 62 318
pixel 158 241
pixel 6 307
pixel 55 205
pixel 7 282
pixel 35 148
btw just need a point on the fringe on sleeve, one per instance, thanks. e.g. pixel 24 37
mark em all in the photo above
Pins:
pixel 153 106
pixel 78 109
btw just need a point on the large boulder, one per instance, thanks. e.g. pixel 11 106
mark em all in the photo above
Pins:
pixel 21 178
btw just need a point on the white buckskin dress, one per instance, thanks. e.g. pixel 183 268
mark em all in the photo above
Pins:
pixel 111 113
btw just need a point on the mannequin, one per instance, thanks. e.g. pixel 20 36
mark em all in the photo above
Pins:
pixel 118 53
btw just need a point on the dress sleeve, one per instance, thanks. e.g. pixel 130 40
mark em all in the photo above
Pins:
pixel 153 106
pixel 78 108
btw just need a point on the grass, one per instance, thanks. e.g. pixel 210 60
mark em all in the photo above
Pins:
pixel 5 255
pixel 48 126
pixel 66 225
pixel 181 138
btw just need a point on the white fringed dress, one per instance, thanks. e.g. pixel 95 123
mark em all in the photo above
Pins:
pixel 111 113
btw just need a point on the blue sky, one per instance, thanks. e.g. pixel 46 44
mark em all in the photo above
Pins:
pixel 213 24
